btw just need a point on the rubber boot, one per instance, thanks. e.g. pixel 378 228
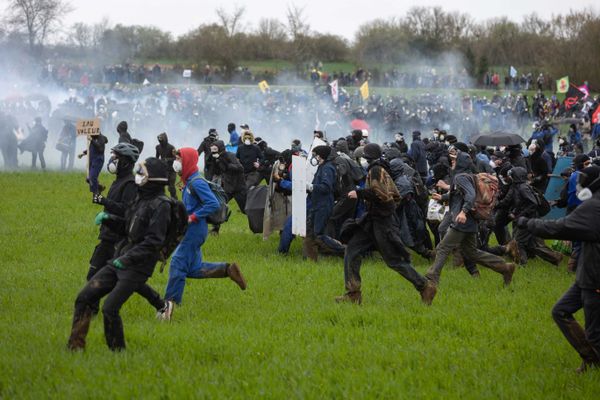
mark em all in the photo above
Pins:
pixel 310 249
pixel 79 330
pixel 235 274
pixel 575 335
pixel 428 292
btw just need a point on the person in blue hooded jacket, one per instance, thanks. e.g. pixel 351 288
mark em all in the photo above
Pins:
pixel 200 202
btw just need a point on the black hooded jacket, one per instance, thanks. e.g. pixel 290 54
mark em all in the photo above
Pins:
pixel 165 151
pixel 580 225
pixel 147 220
pixel 524 202
pixel 228 168
pixel 120 195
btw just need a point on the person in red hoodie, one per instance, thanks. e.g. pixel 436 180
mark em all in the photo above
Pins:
pixel 200 202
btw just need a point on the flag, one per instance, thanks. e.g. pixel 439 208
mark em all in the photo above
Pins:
pixel 562 85
pixel 596 116
pixel 334 91
pixel 584 89
pixel 513 72
pixel 571 98
pixel 263 86
pixel 364 90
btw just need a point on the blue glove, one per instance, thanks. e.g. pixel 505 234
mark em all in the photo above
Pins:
pixel 101 217
pixel 118 264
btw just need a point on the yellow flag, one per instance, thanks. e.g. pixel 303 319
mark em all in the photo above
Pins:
pixel 364 90
pixel 562 85
pixel 263 86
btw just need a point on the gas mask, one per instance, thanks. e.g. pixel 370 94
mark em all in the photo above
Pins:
pixel 177 167
pixel 315 160
pixel 112 165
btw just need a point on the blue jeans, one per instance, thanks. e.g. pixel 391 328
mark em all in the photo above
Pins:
pixel 286 237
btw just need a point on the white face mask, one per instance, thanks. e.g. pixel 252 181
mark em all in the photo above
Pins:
pixel 584 194
pixel 215 155
pixel 502 148
pixel 140 180
pixel 177 167
pixel 247 142
pixel 399 138
pixel 561 141
pixel 436 135
pixel 364 163
pixel 112 165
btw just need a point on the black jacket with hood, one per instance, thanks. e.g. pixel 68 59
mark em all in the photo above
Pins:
pixel 580 225
pixel 228 168
pixel 121 194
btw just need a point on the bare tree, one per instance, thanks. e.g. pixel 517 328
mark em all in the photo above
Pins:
pixel 300 34
pixel 37 18
pixel 230 21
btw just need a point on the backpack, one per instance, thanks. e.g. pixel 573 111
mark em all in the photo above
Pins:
pixel 138 143
pixel 222 214
pixel 175 231
pixel 543 204
pixel 486 189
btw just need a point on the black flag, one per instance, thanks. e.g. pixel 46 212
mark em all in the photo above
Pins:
pixel 571 98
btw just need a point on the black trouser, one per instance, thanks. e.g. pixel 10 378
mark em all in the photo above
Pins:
pixel 531 245
pixel 378 236
pixel 106 281
pixel 240 199
pixel 252 179
pixel 104 252
pixel 586 343
pixel 501 221
pixel 172 191
pixel 34 155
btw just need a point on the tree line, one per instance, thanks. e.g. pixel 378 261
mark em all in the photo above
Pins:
pixel 561 45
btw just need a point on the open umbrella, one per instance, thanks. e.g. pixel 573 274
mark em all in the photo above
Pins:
pixel 497 139
pixel 359 124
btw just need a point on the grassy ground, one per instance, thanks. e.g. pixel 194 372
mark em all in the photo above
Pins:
pixel 282 338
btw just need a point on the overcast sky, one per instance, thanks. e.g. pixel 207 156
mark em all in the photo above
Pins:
pixel 337 17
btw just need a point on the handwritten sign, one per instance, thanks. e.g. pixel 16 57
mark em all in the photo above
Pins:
pixel 88 127
pixel 187 73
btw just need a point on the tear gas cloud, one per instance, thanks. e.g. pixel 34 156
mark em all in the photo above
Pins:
pixel 187 111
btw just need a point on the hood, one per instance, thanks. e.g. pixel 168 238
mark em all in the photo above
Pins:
pixel 220 145
pixel 163 136
pixel 464 163
pixel 189 162
pixel 397 167
pixel 342 147
pixel 248 135
pixel 518 175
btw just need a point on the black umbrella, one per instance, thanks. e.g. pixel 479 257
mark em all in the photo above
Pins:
pixel 497 139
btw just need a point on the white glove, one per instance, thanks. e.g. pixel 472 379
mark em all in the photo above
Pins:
pixel 309 187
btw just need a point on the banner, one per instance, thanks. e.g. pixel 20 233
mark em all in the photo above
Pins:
pixel 571 98
pixel 299 195
pixel 335 95
pixel 513 72
pixel 364 90
pixel 88 127
pixel 263 86
pixel 562 85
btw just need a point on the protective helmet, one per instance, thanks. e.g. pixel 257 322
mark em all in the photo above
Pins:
pixel 127 150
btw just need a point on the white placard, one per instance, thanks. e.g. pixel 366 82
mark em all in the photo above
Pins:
pixel 299 195
pixel 187 73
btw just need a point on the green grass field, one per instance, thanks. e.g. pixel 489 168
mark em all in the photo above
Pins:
pixel 284 337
